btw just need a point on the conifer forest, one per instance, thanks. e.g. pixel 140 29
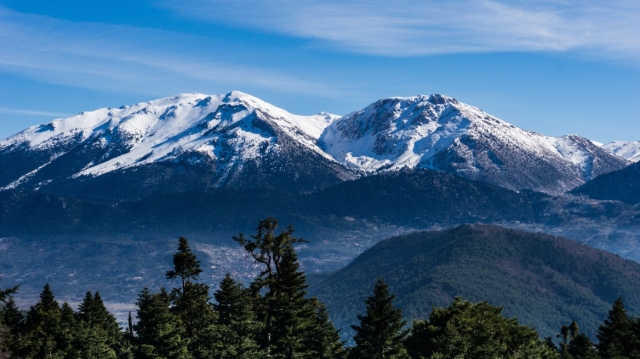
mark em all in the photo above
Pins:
pixel 273 317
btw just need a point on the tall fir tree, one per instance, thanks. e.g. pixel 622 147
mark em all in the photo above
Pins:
pixel 99 334
pixel 12 322
pixel 323 341
pixel 237 322
pixel 289 310
pixel 616 337
pixel 43 329
pixel 268 248
pixel 191 303
pixel 159 333
pixel 290 320
pixel 186 265
pixel 380 334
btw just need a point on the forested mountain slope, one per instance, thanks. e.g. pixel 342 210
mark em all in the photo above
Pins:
pixel 622 185
pixel 543 280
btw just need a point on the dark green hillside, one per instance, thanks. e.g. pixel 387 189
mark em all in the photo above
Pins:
pixel 543 280
pixel 622 185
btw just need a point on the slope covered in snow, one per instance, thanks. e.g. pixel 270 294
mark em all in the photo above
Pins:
pixel 196 141
pixel 625 149
pixel 441 133
pixel 226 134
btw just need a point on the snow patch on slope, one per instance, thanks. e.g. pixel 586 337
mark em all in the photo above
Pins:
pixel 625 149
pixel 162 130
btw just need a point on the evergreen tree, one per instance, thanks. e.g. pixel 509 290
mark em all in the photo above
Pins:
pixel 185 264
pixel 160 334
pixel 616 338
pixel 68 328
pixel 237 322
pixel 290 312
pixel 323 341
pixel 379 334
pixel 13 326
pixel 268 249
pixel 581 347
pixel 5 294
pixel 99 334
pixel 467 330
pixel 567 334
pixel 191 303
pixel 290 320
pixel 43 329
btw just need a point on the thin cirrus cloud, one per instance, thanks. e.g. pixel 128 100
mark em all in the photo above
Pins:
pixel 127 59
pixel 416 28
pixel 16 111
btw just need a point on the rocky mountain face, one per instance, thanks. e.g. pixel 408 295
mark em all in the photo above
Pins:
pixel 185 142
pixel 441 133
pixel 194 142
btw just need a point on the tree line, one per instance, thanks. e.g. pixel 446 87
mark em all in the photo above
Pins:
pixel 273 317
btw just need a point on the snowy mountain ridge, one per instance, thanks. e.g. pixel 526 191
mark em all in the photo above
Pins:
pixel 236 136
pixel 441 133
pixel 160 130
pixel 625 149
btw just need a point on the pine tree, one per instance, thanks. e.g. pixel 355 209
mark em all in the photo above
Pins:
pixel 159 333
pixel 13 324
pixel 323 341
pixel 567 334
pixel 379 334
pixel 99 334
pixel 467 330
pixel 268 249
pixel 185 264
pixel 191 303
pixel 581 347
pixel 237 322
pixel 615 336
pixel 43 328
pixel 5 294
pixel 290 320
pixel 291 315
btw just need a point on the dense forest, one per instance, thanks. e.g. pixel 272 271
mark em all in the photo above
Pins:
pixel 273 317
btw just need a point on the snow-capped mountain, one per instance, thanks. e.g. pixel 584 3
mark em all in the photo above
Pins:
pixel 625 149
pixel 233 140
pixel 196 141
pixel 441 133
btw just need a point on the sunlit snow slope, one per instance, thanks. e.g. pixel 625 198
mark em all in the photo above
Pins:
pixel 196 141
pixel 233 140
pixel 625 149
pixel 440 133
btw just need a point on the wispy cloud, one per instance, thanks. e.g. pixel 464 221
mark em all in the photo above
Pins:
pixel 129 59
pixel 16 111
pixel 411 28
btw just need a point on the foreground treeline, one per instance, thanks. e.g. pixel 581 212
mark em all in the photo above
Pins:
pixel 273 318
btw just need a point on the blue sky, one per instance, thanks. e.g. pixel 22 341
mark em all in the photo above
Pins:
pixel 555 67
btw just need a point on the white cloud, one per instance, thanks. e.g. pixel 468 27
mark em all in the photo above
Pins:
pixel 129 59
pixel 16 111
pixel 412 28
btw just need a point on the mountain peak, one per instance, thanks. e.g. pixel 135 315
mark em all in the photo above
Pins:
pixel 230 133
